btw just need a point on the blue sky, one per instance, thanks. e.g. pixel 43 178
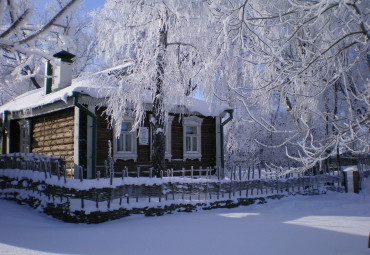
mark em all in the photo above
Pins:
pixel 92 4
pixel 88 5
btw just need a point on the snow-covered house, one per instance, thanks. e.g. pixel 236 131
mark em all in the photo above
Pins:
pixel 67 118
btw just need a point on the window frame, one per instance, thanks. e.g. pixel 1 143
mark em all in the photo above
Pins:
pixel 192 121
pixel 168 151
pixel 126 155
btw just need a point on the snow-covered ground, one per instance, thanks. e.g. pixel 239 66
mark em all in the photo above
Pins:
pixel 335 223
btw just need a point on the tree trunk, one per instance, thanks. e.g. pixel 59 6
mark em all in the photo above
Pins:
pixel 157 121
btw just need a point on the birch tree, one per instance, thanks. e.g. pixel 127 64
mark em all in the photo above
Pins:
pixel 315 56
pixel 162 46
pixel 27 40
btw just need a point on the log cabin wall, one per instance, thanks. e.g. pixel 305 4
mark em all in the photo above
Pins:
pixel 143 155
pixel 103 134
pixel 53 134
pixel 208 144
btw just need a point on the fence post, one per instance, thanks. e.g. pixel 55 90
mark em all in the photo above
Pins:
pixel 64 174
pixel 49 165
pixel 183 173
pixel 206 192
pixel 218 190
pixel 58 170
pixel 109 200
pixel 230 190
pixel 81 173
pixel 150 172
pixel 82 201
pixel 240 188
pixel 97 200
pixel 173 192
pixel 259 172
pixel 138 172
pixel 240 173
pixel 44 165
pixel 200 172
pixel 192 172
pixel 247 189
pixel 106 168
pixel 172 172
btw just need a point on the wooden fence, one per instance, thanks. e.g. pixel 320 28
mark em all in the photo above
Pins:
pixel 49 164
pixel 102 199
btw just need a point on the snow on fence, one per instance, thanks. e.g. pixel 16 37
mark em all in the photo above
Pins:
pixel 98 200
pixel 48 164
pixel 79 200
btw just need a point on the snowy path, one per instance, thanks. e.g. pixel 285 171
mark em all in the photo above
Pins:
pixel 327 224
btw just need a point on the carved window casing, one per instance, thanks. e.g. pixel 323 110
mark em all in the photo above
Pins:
pixel 192 137
pixel 125 145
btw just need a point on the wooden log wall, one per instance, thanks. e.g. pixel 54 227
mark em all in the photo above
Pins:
pixel 208 140
pixel 104 134
pixel 53 134
pixel 143 155
pixel 208 145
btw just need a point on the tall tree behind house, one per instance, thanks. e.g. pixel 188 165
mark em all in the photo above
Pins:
pixel 165 44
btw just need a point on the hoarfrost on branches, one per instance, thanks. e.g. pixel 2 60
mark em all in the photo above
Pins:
pixel 29 37
pixel 128 32
pixel 166 44
pixel 311 56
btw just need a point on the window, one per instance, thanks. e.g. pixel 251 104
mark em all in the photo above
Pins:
pixel 125 145
pixel 124 141
pixel 25 131
pixel 192 137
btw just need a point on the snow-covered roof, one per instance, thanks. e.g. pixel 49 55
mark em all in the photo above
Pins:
pixel 93 87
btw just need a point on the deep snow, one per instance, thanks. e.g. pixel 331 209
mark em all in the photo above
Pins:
pixel 335 223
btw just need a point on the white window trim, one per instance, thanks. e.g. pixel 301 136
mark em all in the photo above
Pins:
pixel 168 153
pixel 26 126
pixel 126 155
pixel 197 122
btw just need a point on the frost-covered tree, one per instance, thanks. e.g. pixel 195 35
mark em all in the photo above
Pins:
pixel 314 55
pixel 74 33
pixel 29 37
pixel 163 47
